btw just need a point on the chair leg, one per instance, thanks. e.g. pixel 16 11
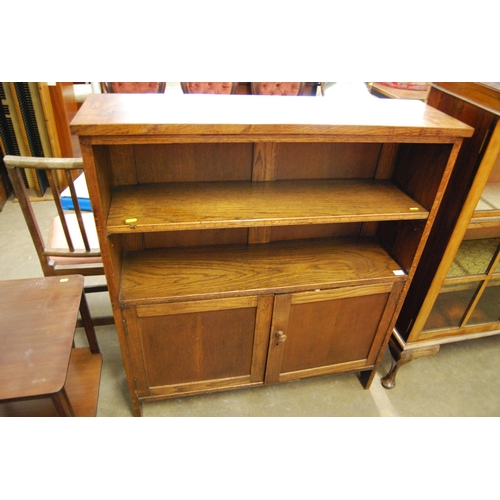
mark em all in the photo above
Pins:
pixel 88 325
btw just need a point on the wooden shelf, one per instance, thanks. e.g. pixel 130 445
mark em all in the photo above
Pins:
pixel 82 387
pixel 82 384
pixel 171 207
pixel 176 274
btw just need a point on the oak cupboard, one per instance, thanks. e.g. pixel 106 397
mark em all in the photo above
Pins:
pixel 250 240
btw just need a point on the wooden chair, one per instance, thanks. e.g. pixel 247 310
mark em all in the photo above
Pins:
pixel 209 87
pixel 133 87
pixel 278 88
pixel 72 246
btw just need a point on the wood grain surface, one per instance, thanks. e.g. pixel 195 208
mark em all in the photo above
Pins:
pixel 37 325
pixel 209 272
pixel 169 207
pixel 157 114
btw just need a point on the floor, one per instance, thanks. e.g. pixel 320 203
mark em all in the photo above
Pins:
pixel 463 379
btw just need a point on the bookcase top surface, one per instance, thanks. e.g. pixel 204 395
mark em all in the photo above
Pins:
pixel 169 114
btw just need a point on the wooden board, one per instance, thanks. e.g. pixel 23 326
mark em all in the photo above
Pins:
pixel 153 276
pixel 161 114
pixel 170 207
pixel 82 387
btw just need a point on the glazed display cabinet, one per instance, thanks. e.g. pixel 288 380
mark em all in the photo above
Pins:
pixel 455 294
pixel 251 240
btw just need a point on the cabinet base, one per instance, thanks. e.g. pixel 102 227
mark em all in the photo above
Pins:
pixel 365 377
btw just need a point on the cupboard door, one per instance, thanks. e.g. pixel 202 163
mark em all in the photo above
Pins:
pixel 329 331
pixel 194 347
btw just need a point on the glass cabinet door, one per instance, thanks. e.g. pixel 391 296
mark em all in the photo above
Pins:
pixel 470 295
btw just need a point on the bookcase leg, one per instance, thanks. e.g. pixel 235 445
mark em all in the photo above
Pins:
pixel 366 378
pixel 137 407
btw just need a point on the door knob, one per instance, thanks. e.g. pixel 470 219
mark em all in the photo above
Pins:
pixel 280 336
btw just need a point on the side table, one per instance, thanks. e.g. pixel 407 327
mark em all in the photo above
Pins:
pixel 41 373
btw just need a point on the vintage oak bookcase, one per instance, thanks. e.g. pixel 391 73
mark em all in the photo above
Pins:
pixel 455 293
pixel 251 240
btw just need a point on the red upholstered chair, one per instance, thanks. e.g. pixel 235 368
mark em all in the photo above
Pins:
pixel 209 87
pixel 278 88
pixel 133 87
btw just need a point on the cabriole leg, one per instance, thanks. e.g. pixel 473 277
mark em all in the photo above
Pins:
pixel 401 358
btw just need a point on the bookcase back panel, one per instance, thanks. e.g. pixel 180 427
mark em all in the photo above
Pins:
pixel 193 162
pixel 282 233
pixel 195 238
pixel 185 162
pixel 123 161
pixel 302 160
pixel 172 239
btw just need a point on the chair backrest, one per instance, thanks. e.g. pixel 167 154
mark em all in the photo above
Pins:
pixel 133 87
pixel 71 246
pixel 209 87
pixel 278 88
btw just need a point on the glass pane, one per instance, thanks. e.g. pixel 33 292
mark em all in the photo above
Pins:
pixel 474 257
pixel 451 305
pixel 490 198
pixel 488 308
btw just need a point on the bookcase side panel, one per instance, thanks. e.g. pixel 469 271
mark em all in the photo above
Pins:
pixel 419 170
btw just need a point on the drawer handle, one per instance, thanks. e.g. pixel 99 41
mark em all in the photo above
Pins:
pixel 280 336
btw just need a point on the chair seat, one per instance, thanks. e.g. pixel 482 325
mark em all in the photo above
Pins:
pixel 57 239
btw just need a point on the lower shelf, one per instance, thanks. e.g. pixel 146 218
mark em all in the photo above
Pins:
pixel 82 387
pixel 198 273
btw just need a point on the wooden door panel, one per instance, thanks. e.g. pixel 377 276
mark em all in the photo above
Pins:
pixel 198 346
pixel 329 331
pixel 192 347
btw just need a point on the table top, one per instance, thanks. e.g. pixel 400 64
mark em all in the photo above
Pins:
pixel 37 326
